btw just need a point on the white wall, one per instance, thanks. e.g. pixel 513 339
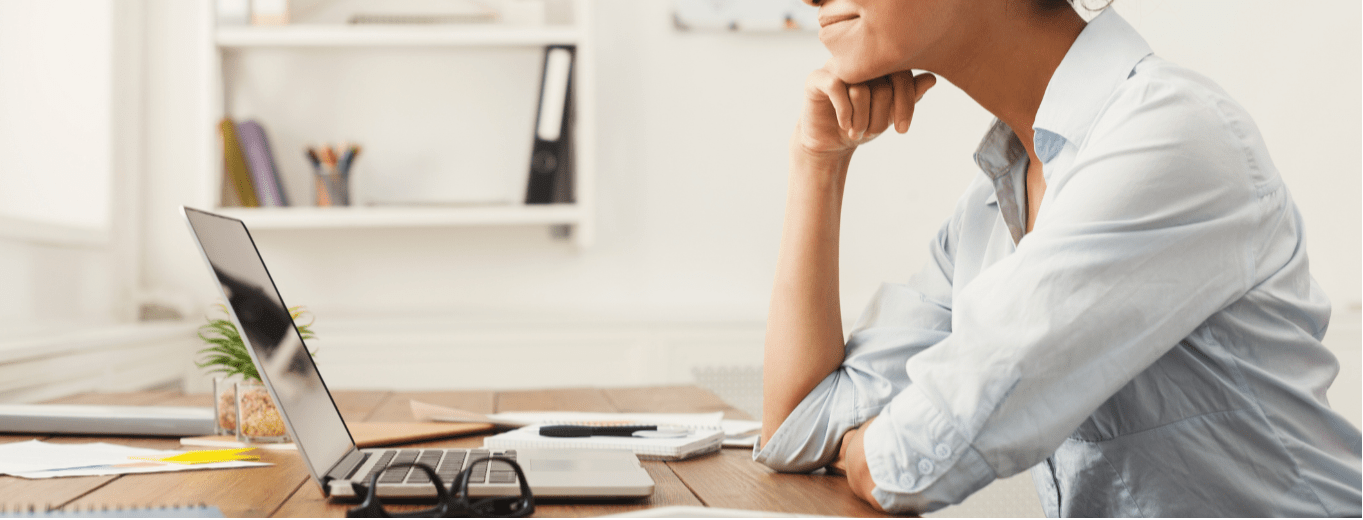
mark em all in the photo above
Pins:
pixel 69 140
pixel 56 101
pixel 692 140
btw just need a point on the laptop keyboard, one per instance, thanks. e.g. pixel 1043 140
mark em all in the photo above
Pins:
pixel 447 463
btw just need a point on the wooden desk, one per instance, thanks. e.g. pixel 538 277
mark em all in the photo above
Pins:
pixel 729 479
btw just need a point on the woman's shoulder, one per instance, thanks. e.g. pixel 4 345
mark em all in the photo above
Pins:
pixel 1162 91
pixel 1184 118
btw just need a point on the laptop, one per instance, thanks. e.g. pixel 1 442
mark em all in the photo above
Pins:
pixel 315 424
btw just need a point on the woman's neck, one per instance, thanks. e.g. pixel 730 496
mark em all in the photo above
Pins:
pixel 1009 66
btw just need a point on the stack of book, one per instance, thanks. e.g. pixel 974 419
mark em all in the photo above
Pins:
pixel 251 177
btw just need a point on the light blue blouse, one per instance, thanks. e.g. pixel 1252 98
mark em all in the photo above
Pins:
pixel 1151 348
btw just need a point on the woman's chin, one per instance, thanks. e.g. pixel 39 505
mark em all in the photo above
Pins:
pixel 852 73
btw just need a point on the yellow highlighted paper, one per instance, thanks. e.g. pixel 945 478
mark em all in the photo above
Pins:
pixel 205 456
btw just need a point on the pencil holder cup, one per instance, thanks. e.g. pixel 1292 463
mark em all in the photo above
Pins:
pixel 258 421
pixel 224 407
pixel 333 190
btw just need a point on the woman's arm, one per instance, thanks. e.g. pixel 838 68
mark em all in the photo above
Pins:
pixel 804 340
pixel 804 324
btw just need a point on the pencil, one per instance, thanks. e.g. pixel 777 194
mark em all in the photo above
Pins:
pixel 319 178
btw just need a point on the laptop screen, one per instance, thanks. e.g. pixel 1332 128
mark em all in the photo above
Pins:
pixel 268 331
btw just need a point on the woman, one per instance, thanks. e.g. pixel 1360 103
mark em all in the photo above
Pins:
pixel 1120 301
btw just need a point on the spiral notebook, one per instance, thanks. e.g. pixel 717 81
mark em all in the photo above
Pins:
pixel 699 442
pixel 198 511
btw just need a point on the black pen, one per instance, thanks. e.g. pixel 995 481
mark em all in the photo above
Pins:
pixel 574 430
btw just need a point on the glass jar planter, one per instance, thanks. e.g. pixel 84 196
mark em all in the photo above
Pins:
pixel 258 421
pixel 224 407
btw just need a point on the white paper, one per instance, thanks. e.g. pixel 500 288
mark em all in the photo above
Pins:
pixel 740 427
pixel 37 459
pixel 698 441
pixel 127 467
pixel 738 433
pixel 430 412
pixel 711 420
pixel 35 455
pixel 740 442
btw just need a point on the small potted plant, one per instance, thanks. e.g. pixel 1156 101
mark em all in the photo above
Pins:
pixel 243 407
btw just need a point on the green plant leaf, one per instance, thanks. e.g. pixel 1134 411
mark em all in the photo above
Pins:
pixel 226 353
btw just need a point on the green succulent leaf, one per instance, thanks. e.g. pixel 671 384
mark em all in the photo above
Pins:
pixel 226 353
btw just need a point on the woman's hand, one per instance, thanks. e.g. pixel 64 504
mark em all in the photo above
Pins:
pixel 838 117
pixel 851 462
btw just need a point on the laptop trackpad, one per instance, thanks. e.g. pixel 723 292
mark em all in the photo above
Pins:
pixel 575 472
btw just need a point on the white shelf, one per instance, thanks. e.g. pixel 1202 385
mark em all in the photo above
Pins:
pixel 339 35
pixel 233 52
pixel 404 216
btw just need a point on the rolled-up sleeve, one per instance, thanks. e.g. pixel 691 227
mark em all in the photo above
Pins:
pixel 1149 233
pixel 901 320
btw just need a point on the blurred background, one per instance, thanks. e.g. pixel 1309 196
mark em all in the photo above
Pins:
pixel 438 275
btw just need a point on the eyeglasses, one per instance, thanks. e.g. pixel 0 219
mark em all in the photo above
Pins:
pixel 454 503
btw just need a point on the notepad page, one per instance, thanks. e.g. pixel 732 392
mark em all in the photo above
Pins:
pixel 700 441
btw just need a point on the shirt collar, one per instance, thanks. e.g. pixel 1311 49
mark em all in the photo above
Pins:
pixel 1001 157
pixel 1103 56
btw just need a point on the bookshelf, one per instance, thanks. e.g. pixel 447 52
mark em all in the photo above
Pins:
pixel 336 35
pixel 397 216
pixel 476 48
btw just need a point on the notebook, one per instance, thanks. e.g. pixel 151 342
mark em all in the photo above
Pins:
pixel 738 433
pixel 101 511
pixel 699 442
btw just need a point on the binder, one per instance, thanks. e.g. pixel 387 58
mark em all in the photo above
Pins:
pixel 551 161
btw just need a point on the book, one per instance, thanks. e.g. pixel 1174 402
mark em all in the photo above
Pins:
pixel 237 179
pixel 260 163
pixel 698 442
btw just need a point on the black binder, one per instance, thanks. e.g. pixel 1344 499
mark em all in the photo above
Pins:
pixel 551 157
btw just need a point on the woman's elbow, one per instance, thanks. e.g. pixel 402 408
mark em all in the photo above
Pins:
pixel 790 465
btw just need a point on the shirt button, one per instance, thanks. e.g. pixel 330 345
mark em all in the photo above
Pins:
pixel 943 451
pixel 906 481
pixel 925 466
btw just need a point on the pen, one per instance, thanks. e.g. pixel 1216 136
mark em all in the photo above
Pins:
pixel 323 197
pixel 572 430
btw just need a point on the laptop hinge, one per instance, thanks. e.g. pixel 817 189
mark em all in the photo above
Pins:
pixel 343 469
